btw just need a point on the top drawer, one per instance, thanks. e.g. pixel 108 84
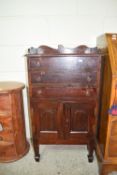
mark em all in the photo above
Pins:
pixel 79 63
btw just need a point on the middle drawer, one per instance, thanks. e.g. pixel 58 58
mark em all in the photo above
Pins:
pixel 81 78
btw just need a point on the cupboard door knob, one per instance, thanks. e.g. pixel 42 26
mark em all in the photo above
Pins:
pixel 67 120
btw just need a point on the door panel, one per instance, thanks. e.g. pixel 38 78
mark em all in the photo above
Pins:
pixel 48 115
pixel 79 121
pixel 77 118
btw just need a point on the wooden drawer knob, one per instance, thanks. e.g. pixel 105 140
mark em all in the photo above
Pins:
pixel 39 92
pixel 87 92
pixel 38 63
pixel 89 78
pixel 38 78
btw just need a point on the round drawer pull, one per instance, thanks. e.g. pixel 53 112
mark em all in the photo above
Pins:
pixel 89 78
pixel 38 78
pixel 38 63
pixel 39 92
pixel 87 92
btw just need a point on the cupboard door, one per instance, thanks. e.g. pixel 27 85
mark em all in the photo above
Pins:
pixel 47 116
pixel 62 120
pixel 78 118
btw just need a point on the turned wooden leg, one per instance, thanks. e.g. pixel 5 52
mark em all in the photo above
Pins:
pixel 37 158
pixel 36 130
pixel 90 157
pixel 91 147
pixel 37 155
pixel 36 150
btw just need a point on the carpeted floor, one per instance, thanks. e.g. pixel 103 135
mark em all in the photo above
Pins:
pixel 55 160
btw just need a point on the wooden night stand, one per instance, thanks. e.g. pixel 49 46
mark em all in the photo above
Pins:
pixel 13 143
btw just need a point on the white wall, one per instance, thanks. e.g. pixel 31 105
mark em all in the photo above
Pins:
pixel 26 23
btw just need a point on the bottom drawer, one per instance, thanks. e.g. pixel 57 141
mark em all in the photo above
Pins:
pixel 63 92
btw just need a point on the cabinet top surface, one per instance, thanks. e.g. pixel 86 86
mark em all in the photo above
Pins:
pixel 6 86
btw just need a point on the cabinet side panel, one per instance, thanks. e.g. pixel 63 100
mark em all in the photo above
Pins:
pixel 112 141
pixel 104 106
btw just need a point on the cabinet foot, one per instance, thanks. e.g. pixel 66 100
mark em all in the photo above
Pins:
pixel 36 152
pixel 37 158
pixel 91 148
pixel 90 158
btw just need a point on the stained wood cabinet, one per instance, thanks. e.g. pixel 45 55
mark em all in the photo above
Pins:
pixel 64 90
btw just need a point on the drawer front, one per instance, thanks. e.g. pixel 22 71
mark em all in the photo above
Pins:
pixel 69 77
pixel 48 92
pixel 75 63
pixel 5 106
pixel 48 114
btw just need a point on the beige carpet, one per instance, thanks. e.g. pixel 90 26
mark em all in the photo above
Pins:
pixel 55 160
